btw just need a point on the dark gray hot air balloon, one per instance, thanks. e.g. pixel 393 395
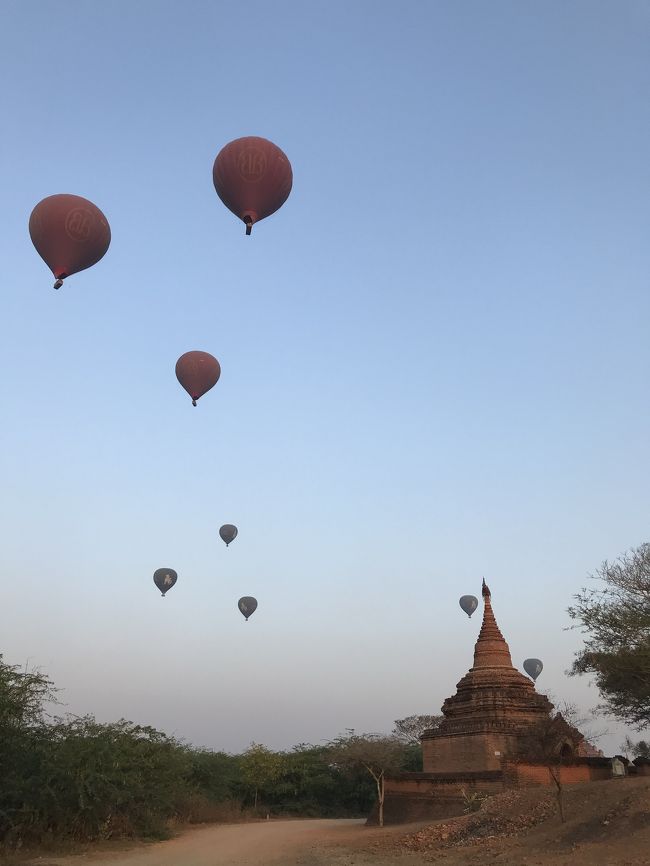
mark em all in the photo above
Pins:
pixel 228 533
pixel 533 667
pixel 247 605
pixel 469 603
pixel 164 578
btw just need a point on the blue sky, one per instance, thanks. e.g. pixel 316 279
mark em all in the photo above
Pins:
pixel 435 355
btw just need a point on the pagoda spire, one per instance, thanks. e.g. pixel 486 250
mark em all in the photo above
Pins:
pixel 491 649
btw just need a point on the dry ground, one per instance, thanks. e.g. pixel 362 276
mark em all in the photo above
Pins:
pixel 608 824
pixel 253 844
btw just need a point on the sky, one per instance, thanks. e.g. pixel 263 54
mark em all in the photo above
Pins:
pixel 435 355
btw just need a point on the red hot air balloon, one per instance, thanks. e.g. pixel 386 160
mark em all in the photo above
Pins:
pixel 197 372
pixel 70 234
pixel 253 178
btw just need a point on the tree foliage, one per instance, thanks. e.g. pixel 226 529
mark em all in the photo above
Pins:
pixel 615 617
pixel 312 785
pixel 260 768
pixel 411 728
pixel 376 753
pixel 77 778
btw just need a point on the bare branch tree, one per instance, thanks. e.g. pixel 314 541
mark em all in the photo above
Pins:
pixel 551 742
pixel 411 728
pixel 377 753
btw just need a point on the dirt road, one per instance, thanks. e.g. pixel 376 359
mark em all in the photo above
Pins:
pixel 290 843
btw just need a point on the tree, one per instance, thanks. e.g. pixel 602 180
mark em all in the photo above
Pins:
pixel 626 747
pixel 104 778
pixel 616 620
pixel 377 753
pixel 411 728
pixel 216 775
pixel 23 695
pixel 641 749
pixel 308 785
pixel 23 739
pixel 260 767
pixel 552 742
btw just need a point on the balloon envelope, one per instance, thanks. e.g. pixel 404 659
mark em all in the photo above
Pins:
pixel 247 605
pixel 469 603
pixel 164 578
pixel 228 533
pixel 70 234
pixel 533 667
pixel 252 177
pixel 197 372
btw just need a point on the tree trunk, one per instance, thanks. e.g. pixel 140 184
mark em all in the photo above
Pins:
pixel 255 806
pixel 380 798
pixel 557 778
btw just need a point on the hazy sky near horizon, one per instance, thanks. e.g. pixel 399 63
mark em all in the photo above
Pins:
pixel 435 356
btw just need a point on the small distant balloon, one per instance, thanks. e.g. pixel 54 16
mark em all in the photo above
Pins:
pixel 247 606
pixel 70 234
pixel 164 578
pixel 197 372
pixel 469 603
pixel 533 667
pixel 228 533
pixel 252 177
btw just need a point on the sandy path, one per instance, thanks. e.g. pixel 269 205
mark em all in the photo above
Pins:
pixel 260 844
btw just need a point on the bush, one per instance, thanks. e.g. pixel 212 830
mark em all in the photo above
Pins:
pixel 76 778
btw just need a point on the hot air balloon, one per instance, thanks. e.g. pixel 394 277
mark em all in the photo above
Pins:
pixel 247 605
pixel 469 603
pixel 252 177
pixel 164 578
pixel 197 372
pixel 228 533
pixel 533 667
pixel 70 234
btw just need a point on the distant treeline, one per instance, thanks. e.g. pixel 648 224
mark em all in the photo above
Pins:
pixel 75 778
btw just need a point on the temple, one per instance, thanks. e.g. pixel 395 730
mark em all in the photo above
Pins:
pixel 493 705
pixel 480 745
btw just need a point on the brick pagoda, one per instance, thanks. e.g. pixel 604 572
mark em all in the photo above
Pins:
pixel 493 703
pixel 479 747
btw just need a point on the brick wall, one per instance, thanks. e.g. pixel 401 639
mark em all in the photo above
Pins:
pixel 438 785
pixel 533 774
pixel 427 796
pixel 423 797
pixel 466 752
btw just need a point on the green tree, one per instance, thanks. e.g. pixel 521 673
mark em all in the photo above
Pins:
pixel 308 785
pixel 24 739
pixel 77 778
pixel 216 775
pixel 615 618
pixel 114 779
pixel 642 749
pixel 260 768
